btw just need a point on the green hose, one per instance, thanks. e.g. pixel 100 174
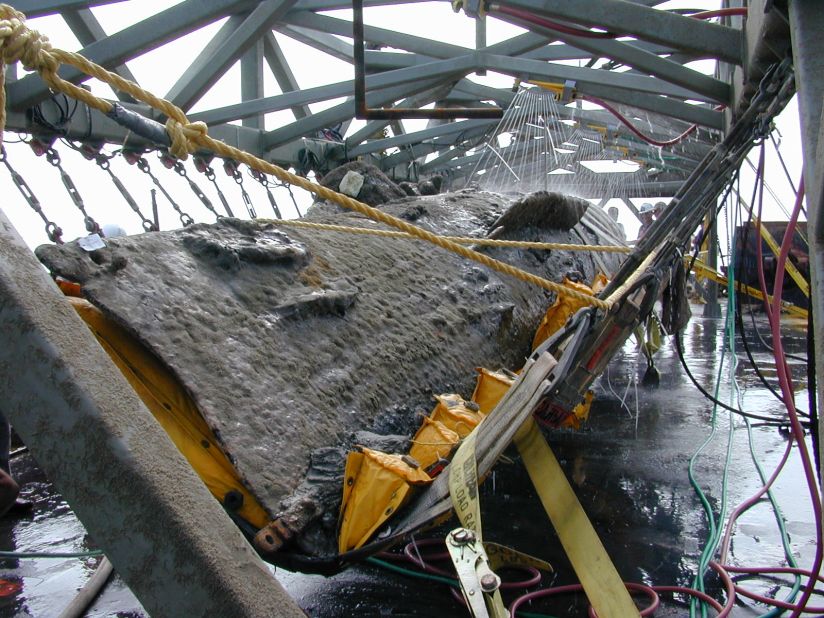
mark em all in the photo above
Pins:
pixel 15 555
pixel 436 578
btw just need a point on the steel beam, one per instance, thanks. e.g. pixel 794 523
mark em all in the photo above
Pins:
pixel 372 34
pixel 222 52
pixel 321 41
pixel 130 42
pixel 629 18
pixel 424 98
pixel 282 72
pixel 332 5
pixel 87 29
pixel 705 87
pixel 165 534
pixel 625 92
pixel 91 124
pixel 806 26
pixel 417 136
pixel 40 8
pixel 251 81
pixel 442 68
pixel 330 117
pixel 587 78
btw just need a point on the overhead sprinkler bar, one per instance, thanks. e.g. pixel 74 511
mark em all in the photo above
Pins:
pixel 363 112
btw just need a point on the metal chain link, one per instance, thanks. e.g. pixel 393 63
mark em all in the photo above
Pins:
pixel 202 165
pixel 143 166
pixel 53 231
pixel 231 169
pixel 53 157
pixel 104 163
pixel 263 180
pixel 178 167
pixel 288 187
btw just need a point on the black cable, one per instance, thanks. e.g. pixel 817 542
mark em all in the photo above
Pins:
pixel 678 344
pixel 764 343
pixel 811 394
pixel 740 323
pixel 767 420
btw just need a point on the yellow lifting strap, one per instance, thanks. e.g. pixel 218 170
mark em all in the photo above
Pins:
pixel 602 584
pixel 792 271
pixel 702 270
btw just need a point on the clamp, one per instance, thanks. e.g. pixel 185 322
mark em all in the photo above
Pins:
pixel 472 8
pixel 479 584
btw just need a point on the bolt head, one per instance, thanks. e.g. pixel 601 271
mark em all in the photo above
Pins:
pixel 489 582
pixel 463 536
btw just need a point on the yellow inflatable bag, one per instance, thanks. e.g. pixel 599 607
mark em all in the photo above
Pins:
pixel 433 442
pixel 375 486
pixel 564 306
pixel 457 414
pixel 490 388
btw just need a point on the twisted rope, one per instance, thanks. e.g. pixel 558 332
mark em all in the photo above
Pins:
pixel 20 43
pixel 462 240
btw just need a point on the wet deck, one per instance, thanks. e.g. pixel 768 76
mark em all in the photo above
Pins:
pixel 628 468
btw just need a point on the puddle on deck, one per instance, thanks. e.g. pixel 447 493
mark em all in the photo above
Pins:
pixel 629 469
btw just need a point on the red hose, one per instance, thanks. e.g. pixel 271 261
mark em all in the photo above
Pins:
pixel 720 13
pixel 552 25
pixel 631 127
pixel 591 34
pixel 786 388
pixel 751 501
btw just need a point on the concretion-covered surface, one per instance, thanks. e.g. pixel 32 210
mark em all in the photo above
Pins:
pixel 630 475
pixel 289 340
pixel 377 187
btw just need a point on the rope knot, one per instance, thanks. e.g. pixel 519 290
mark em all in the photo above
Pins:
pixel 20 43
pixel 186 137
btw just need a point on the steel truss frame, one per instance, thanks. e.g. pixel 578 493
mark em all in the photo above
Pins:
pixel 646 68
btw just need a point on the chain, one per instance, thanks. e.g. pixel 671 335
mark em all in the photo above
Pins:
pixel 230 167
pixel 261 178
pixel 202 166
pixel 178 167
pixel 104 163
pixel 288 187
pixel 53 157
pixel 52 230
pixel 143 166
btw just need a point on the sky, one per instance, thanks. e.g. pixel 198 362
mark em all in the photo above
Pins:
pixel 106 205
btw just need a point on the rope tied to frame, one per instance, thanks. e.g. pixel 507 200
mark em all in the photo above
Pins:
pixel 186 137
pixel 20 43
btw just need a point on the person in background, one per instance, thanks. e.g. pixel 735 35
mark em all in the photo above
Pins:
pixel 613 213
pixel 658 210
pixel 646 213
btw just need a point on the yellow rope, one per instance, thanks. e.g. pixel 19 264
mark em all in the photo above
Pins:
pixel 486 242
pixel 33 50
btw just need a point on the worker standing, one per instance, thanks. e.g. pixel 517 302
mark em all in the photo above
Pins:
pixel 646 214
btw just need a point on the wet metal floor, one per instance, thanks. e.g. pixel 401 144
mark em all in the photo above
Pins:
pixel 628 467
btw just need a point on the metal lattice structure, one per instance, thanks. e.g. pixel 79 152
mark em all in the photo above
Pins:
pixel 637 59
